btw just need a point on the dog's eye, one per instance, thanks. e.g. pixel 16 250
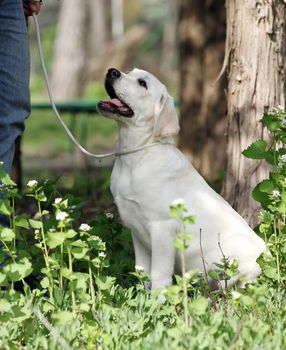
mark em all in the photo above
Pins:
pixel 143 83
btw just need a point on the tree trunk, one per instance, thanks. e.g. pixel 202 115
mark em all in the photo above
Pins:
pixel 169 43
pixel 256 50
pixel 98 29
pixel 117 21
pixel 202 101
pixel 70 50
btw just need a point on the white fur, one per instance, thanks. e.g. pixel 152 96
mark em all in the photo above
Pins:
pixel 145 183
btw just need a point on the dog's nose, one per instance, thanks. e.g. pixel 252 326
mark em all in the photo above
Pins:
pixel 113 74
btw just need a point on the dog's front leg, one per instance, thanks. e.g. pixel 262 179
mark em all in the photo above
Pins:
pixel 163 253
pixel 142 257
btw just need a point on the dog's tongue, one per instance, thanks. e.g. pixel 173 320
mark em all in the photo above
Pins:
pixel 115 102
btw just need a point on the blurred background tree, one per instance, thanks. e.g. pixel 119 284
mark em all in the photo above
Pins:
pixel 202 98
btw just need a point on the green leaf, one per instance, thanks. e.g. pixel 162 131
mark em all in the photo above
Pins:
pixel 199 305
pixel 178 244
pixel 45 283
pixel 79 252
pixel 5 207
pixel 84 307
pixel 17 271
pixel 21 313
pixel 214 274
pixel 174 212
pixel 5 306
pixel 62 317
pixel 6 234
pixel 66 273
pixel 190 219
pixel 54 239
pixel 36 224
pixel 173 294
pixel 105 282
pixel 21 221
pixel 272 123
pixel 256 150
pixel 266 186
pixel 262 195
pixel 70 233
pixel 271 157
pixel 246 300
pixel 6 179
pixel 40 196
pixel 79 249
pixel 270 272
pixel 2 278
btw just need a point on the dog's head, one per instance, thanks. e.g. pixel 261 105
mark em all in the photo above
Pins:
pixel 138 97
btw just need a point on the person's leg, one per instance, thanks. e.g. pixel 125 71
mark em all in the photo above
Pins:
pixel 14 78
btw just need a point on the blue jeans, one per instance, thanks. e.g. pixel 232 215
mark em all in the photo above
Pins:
pixel 14 77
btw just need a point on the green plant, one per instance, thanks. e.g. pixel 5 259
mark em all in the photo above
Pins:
pixel 65 283
pixel 271 194
pixel 178 211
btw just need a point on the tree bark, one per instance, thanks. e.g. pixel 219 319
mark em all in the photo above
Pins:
pixel 255 48
pixel 70 50
pixel 117 21
pixel 202 101
pixel 98 29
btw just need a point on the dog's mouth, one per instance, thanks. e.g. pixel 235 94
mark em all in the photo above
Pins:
pixel 115 105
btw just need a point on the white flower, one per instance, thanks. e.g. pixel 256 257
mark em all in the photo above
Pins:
pixel 283 121
pixel 139 268
pixel 187 276
pixel 272 110
pixel 276 193
pixel 275 110
pixel 177 202
pixel 109 215
pixel 37 231
pixel 52 229
pixel 84 227
pixel 58 200
pixel 32 183
pixel 282 158
pixel 61 216
pixel 235 294
pixel 102 255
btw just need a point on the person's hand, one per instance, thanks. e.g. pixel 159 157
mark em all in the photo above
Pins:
pixel 31 6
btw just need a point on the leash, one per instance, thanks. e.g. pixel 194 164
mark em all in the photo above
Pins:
pixel 70 135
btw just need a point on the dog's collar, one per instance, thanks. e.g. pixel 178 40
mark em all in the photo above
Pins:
pixel 137 149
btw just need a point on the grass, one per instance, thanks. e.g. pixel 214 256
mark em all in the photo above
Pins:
pixel 44 136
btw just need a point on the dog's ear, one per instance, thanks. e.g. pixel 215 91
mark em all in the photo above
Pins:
pixel 166 119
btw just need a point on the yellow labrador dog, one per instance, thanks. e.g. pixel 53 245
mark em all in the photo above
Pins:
pixel 150 173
